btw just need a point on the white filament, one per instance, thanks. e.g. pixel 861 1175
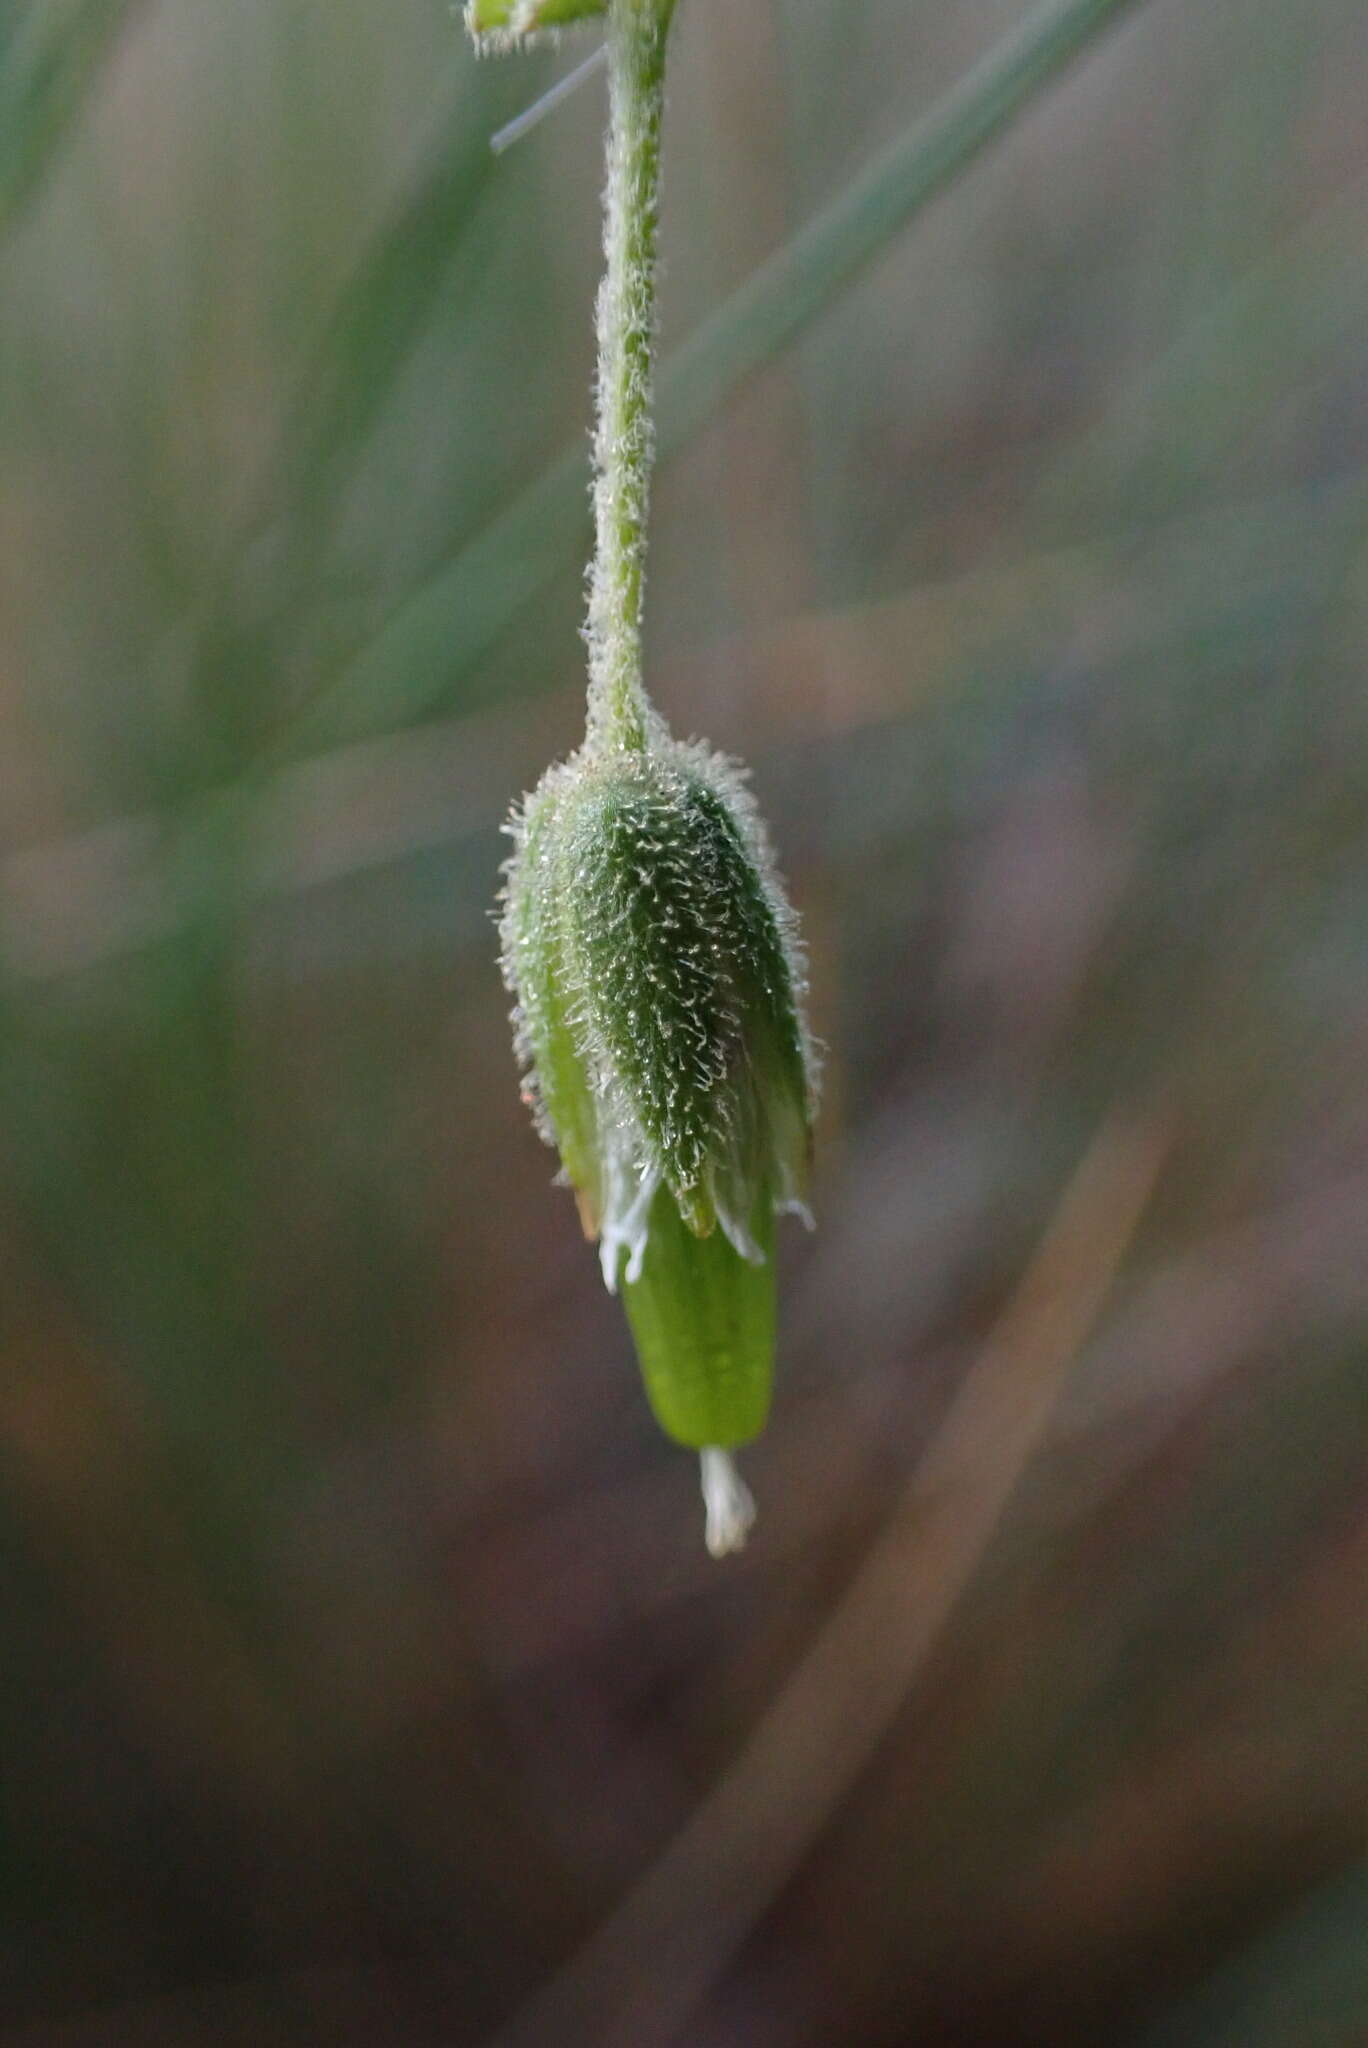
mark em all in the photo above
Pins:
pixel 513 131
pixel 727 1501
pixel 628 1194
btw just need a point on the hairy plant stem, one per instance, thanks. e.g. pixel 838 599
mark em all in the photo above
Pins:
pixel 618 712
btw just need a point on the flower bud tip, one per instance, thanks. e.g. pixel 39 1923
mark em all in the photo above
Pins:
pixel 727 1501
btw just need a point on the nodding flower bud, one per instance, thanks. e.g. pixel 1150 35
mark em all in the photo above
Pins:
pixel 659 981
pixel 498 24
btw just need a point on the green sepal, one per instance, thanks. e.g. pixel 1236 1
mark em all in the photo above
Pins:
pixel 703 1320
pixel 556 1084
pixel 687 984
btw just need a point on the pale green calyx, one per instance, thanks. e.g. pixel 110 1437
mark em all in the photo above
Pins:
pixel 659 985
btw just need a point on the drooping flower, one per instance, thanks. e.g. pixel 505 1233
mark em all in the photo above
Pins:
pixel 659 988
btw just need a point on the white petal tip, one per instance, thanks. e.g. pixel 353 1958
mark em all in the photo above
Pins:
pixel 737 1236
pixel 728 1503
pixel 627 1215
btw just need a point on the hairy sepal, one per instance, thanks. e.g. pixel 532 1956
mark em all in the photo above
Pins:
pixel 688 984
pixel 556 1084
pixel 659 984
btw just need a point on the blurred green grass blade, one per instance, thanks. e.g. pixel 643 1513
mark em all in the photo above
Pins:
pixel 150 1296
pixel 48 68
pixel 773 306
pixel 369 337
pixel 1268 331
pixel 382 311
pixel 445 626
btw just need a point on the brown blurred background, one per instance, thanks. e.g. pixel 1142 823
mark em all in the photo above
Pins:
pixel 363 1679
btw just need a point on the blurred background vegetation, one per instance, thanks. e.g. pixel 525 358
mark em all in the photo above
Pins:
pixel 363 1673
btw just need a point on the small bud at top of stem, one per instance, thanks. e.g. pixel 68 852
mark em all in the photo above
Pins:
pixel 504 24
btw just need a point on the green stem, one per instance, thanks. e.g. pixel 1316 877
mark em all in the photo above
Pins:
pixel 626 322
